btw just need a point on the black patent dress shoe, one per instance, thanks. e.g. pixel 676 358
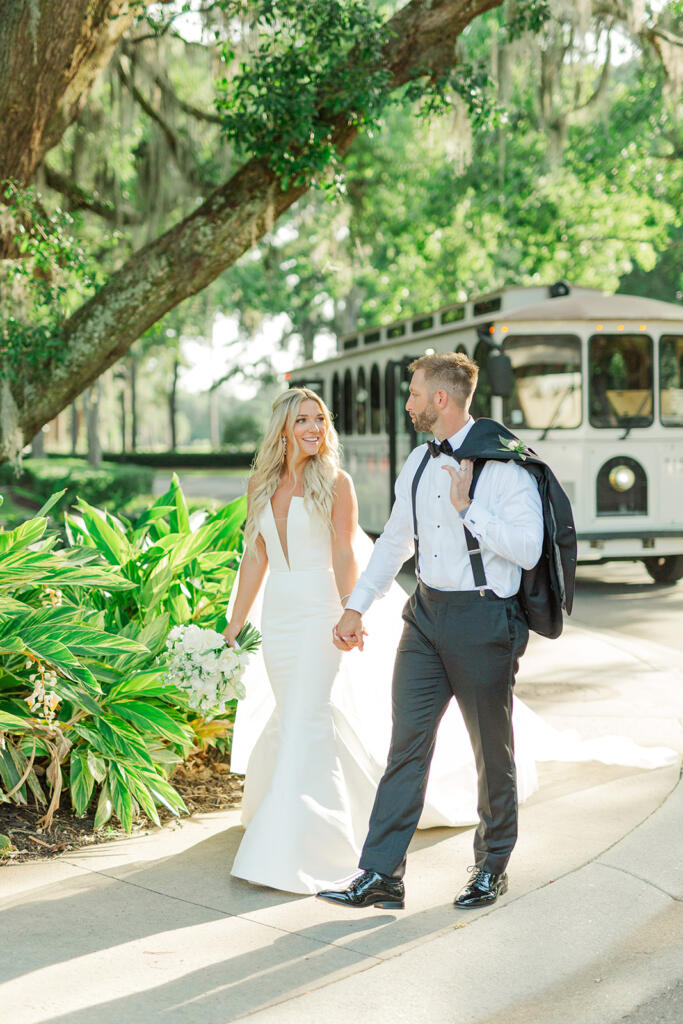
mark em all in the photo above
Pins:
pixel 482 889
pixel 370 889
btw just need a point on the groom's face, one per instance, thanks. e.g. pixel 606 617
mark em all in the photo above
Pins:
pixel 420 405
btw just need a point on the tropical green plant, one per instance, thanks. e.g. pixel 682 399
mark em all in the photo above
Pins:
pixel 83 698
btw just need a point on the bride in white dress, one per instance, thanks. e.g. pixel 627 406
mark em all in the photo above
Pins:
pixel 314 730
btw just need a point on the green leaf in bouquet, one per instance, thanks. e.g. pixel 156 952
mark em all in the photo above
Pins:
pixel 248 639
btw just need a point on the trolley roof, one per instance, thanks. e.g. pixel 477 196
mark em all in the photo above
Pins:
pixel 588 305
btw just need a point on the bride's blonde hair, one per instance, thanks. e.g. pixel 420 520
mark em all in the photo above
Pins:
pixel 320 470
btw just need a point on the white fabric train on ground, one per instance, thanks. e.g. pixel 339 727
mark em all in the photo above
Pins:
pixel 314 757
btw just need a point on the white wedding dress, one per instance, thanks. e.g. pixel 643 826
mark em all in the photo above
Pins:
pixel 313 732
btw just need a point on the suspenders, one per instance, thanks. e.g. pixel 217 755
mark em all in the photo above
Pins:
pixel 473 549
pixel 416 479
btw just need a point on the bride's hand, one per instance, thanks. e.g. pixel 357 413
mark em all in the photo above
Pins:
pixel 230 633
pixel 349 632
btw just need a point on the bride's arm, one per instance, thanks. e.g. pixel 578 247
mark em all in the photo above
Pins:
pixel 344 526
pixel 252 570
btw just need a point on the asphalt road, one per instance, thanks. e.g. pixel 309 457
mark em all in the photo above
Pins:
pixel 621 597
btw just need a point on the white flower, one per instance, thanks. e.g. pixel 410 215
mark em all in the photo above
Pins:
pixel 228 660
pixel 197 640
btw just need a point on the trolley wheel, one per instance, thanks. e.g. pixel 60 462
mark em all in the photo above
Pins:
pixel 665 570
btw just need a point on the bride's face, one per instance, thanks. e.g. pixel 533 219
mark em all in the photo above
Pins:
pixel 309 428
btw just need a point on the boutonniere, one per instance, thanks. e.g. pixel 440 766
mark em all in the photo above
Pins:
pixel 513 444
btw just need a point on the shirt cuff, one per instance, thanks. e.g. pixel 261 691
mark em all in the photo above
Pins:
pixel 360 600
pixel 477 519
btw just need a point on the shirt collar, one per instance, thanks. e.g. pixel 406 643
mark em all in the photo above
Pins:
pixel 457 439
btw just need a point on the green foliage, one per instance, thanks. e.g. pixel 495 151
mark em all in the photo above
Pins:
pixel 52 272
pixel 552 185
pixel 242 428
pixel 82 696
pixel 110 484
pixel 282 104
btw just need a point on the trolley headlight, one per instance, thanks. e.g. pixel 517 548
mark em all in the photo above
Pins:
pixel 622 478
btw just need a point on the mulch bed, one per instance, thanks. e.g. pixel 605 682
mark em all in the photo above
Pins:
pixel 204 782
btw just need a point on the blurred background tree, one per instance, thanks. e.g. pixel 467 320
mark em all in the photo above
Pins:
pixel 544 142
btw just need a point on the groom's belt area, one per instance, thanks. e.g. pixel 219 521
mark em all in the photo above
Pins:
pixel 461 596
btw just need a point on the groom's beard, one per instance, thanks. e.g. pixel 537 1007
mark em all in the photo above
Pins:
pixel 426 419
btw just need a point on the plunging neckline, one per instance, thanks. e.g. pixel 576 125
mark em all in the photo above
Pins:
pixel 284 548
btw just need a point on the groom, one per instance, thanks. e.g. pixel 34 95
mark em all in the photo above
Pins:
pixel 460 639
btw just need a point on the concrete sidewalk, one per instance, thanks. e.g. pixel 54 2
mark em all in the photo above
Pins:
pixel 155 929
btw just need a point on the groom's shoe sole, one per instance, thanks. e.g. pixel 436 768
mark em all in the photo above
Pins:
pixel 381 904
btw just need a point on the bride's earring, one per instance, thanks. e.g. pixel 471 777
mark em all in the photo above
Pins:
pixel 284 446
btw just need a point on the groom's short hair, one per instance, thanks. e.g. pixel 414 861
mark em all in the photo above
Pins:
pixel 455 372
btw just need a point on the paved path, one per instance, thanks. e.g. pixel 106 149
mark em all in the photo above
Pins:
pixel 154 929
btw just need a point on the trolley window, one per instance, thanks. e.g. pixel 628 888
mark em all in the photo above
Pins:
pixel 620 377
pixel 547 391
pixel 375 401
pixel 361 402
pixel 336 401
pixel 347 404
pixel 671 380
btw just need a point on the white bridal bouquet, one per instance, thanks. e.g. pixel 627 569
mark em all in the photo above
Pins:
pixel 200 662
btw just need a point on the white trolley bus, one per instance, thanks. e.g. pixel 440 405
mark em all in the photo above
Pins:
pixel 592 382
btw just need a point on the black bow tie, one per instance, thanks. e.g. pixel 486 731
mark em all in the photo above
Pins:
pixel 440 448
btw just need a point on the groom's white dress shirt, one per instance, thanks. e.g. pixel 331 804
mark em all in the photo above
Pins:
pixel 505 516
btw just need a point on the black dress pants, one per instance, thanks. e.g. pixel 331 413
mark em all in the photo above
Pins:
pixel 467 645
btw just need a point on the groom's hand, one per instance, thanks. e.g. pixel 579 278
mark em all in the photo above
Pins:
pixel 461 481
pixel 349 632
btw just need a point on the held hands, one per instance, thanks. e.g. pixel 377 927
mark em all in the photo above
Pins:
pixel 349 632
pixel 461 481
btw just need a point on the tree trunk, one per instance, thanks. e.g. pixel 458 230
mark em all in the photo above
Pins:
pixel 183 261
pixel 38 445
pixel 214 419
pixel 172 405
pixel 74 427
pixel 92 406
pixel 132 364
pixel 50 55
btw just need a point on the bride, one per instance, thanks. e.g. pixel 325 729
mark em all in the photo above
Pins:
pixel 314 730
